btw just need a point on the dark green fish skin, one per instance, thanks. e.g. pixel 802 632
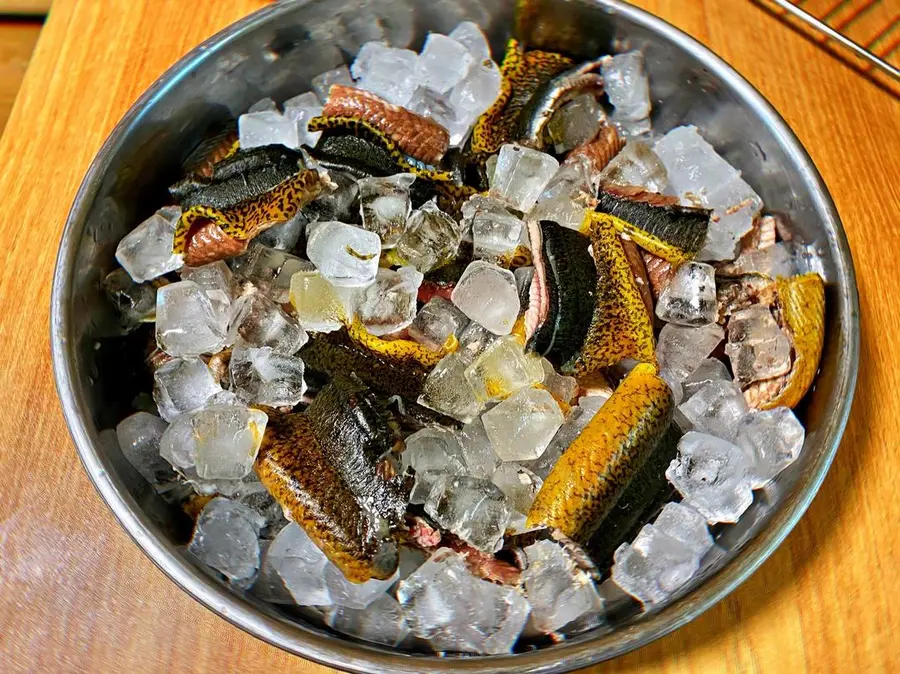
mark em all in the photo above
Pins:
pixel 571 275
pixel 645 495
pixel 247 175
pixel 354 154
pixel 680 226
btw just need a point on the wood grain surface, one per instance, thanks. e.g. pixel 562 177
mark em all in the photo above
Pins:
pixel 17 40
pixel 77 596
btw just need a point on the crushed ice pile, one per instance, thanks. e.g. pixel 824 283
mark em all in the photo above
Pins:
pixel 230 337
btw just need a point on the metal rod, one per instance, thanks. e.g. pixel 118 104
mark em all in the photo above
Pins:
pixel 823 27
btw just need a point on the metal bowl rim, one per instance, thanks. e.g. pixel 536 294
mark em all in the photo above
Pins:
pixel 356 656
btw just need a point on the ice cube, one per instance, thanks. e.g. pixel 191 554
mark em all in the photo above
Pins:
pixel 432 452
pixel 626 85
pixel 300 565
pixel 685 525
pixel 713 475
pixel 226 538
pixel 319 305
pixel 711 369
pixel 226 439
pixel 138 436
pixel 557 591
pixel 436 323
pixel 354 595
pixel 716 409
pixel 774 437
pixel 472 38
pixel 381 622
pixel 286 235
pixel 136 302
pixel 488 295
pixel 437 107
pixel 681 349
pixel 577 420
pixel 472 508
pixel 389 304
pixel 183 385
pixel 258 321
pixel 518 484
pixel 521 175
pixel 431 238
pixel 575 123
pixel 269 127
pixel 443 63
pixel 340 204
pixel 773 261
pixel 638 165
pixel 322 84
pixel 522 426
pixel 480 458
pixel 562 387
pixel 384 205
pixel 187 323
pixel 447 390
pixel 757 347
pixel 270 270
pixel 146 251
pixel 495 231
pixel 690 296
pixel 502 369
pixel 345 255
pixel 571 190
pixel 476 93
pixel 264 105
pixel 301 109
pixel 473 341
pixel 217 281
pixel 388 72
pixel 654 566
pixel 260 376
pixel 455 611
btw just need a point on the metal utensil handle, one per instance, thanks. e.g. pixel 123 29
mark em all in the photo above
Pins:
pixel 837 36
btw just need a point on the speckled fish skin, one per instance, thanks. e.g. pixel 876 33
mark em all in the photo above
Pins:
pixel 620 327
pixel 550 96
pixel 415 135
pixel 598 466
pixel 220 144
pixel 569 273
pixel 600 150
pixel 334 353
pixel 401 351
pixel 353 433
pixel 245 176
pixel 802 302
pixel 675 233
pixel 243 222
pixel 645 495
pixel 294 469
pixel 523 73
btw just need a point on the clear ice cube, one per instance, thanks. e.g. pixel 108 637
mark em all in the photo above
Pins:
pixel 473 341
pixel 713 475
pixel 472 38
pixel 557 591
pixel 187 323
pixel 474 95
pixel 138 436
pixel 260 376
pixel 387 72
pixel 182 385
pixel 389 304
pixel 774 437
pixel 322 84
pixel 681 349
pixel 757 347
pixel 436 323
pixel 502 369
pixel 146 251
pixel 268 127
pixel 571 190
pixel 627 86
pixel 686 525
pixel 455 611
pixel 381 622
pixel 384 206
pixel 488 295
pixel 715 409
pixel 264 105
pixel 258 321
pixel 432 452
pixel 494 230
pixel 430 240
pixel 638 165
pixel 226 439
pixel 301 109
pixel 474 509
pixel 576 421
pixel 226 538
pixel 575 123
pixel 319 305
pixel 345 255
pixel 300 565
pixel 521 427
pixel 354 595
pixel 443 63
pixel 562 387
pixel 690 296
pixel 654 566
pixel 518 484
pixel 270 270
pixel 709 370
pixel 480 458
pixel 447 390
pixel 521 175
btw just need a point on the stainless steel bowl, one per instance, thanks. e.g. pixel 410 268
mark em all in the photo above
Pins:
pixel 275 52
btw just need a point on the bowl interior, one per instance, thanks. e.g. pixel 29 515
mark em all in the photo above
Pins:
pixel 275 53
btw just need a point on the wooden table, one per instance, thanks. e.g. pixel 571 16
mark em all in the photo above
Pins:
pixel 77 596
